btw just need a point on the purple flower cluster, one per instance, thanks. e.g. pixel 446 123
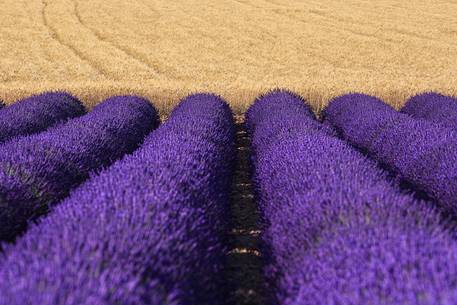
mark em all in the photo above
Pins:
pixel 335 230
pixel 150 229
pixel 422 153
pixel 434 107
pixel 38 170
pixel 37 113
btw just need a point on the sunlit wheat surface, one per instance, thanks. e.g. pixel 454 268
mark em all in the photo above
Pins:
pixel 164 49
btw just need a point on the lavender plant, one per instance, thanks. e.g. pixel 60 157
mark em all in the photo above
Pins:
pixel 434 107
pixel 150 229
pixel 335 230
pixel 420 152
pixel 39 170
pixel 37 113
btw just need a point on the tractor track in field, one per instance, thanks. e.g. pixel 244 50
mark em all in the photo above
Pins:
pixel 56 37
pixel 141 60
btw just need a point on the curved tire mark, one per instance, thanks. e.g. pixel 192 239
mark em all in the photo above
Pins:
pixel 77 53
pixel 123 50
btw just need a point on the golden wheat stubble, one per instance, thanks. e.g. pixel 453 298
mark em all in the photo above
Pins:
pixel 166 49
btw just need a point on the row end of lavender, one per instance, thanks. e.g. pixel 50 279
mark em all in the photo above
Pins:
pixel 37 113
pixel 434 107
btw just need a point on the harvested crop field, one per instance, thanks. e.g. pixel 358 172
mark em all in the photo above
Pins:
pixel 164 50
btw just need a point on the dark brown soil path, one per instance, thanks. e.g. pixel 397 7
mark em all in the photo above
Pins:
pixel 244 272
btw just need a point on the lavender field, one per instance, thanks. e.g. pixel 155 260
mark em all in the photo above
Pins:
pixel 115 205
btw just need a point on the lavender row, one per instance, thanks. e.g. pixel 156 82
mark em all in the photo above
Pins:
pixel 148 230
pixel 38 170
pixel 335 230
pixel 435 107
pixel 422 153
pixel 37 113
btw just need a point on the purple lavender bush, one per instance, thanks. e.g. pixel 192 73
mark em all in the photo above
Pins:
pixel 335 230
pixel 359 116
pixel 422 153
pixel 434 107
pixel 37 113
pixel 291 115
pixel 150 229
pixel 38 170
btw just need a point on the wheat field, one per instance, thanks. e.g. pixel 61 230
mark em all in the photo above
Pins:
pixel 165 49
